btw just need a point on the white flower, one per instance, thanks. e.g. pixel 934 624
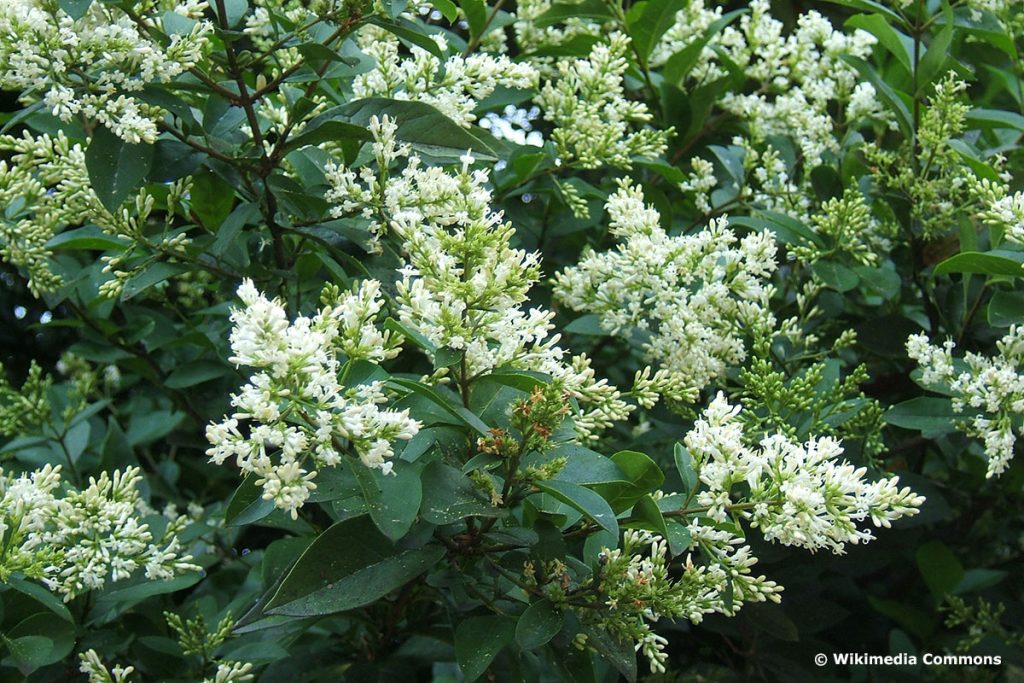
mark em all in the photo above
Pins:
pixel 454 86
pixel 799 494
pixel 76 541
pixel 990 388
pixel 595 123
pixel 299 413
pixel 697 296
pixel 463 286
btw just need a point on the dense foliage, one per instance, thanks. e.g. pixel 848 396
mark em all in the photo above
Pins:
pixel 547 340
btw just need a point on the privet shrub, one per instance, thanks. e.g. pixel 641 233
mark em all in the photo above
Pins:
pixel 546 340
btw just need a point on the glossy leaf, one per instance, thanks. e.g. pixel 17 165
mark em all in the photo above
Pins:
pixel 350 565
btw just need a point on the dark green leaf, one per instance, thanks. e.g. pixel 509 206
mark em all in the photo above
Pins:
pixel 931 416
pixel 87 237
pixel 478 640
pixel 425 127
pixel 196 372
pixel 900 45
pixel 75 9
pixel 940 568
pixel 116 168
pixel 560 12
pixel 459 412
pixel 392 500
pixel 835 275
pixel 153 274
pixel 982 263
pixel 350 565
pixel 450 496
pixel 684 464
pixel 934 58
pixel 584 500
pixel 247 505
pixel 648 20
pixel 538 624
pixel 1006 308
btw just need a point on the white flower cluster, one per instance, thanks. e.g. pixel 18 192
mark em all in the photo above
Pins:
pixel 999 207
pixel 801 74
pixel 45 187
pixel 454 86
pixel 640 590
pixel 93 667
pixel 799 494
pixel 990 387
pixel 530 36
pixel 463 286
pixel 297 402
pixel 76 541
pixel 593 118
pixel 94 66
pixel 695 297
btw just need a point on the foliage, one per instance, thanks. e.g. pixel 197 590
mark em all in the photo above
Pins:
pixel 547 340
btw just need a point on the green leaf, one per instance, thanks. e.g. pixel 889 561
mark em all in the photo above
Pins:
pixel 648 20
pixel 429 131
pixel 786 228
pixel 348 566
pixel 75 9
pixel 41 595
pixel 619 653
pixel 939 567
pixel 560 12
pixel 979 579
pixel 684 464
pixel 446 358
pixel 447 8
pixel 153 274
pixel 835 275
pixel 681 63
pixel 901 46
pixel 87 237
pixel 934 58
pixel 110 603
pixel 642 476
pixel 478 640
pixel 211 198
pixel 392 499
pixel 28 653
pixel 464 416
pixel 885 92
pixel 450 496
pixel 196 372
pixel 235 10
pixel 247 505
pixel 647 512
pixel 475 12
pixel 584 500
pixel 539 623
pixel 411 33
pixel 523 381
pixel 589 324
pixel 995 118
pixel 931 416
pixel 982 263
pixel 1006 308
pixel 413 336
pixel 871 6
pixel 679 537
pixel 60 633
pixel 116 168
